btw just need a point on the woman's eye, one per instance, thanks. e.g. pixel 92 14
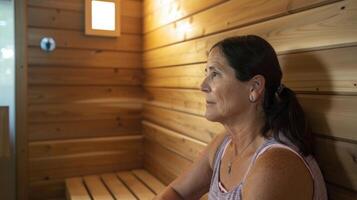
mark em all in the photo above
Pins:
pixel 214 74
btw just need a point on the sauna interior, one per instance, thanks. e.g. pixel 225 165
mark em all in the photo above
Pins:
pixel 131 105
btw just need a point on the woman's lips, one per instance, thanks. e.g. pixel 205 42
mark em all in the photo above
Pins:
pixel 210 102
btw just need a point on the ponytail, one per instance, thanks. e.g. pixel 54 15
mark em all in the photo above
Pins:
pixel 285 115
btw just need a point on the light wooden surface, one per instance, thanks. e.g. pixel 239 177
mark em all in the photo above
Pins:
pixel 330 71
pixel 117 187
pixel 159 13
pixel 135 185
pixel 84 76
pixel 179 143
pixel 69 57
pixel 208 22
pixel 291 33
pixel 70 14
pixel 76 39
pixel 149 180
pixel 76 189
pixel 316 46
pixel 97 188
pixel 85 97
pixel 124 185
pixel 196 127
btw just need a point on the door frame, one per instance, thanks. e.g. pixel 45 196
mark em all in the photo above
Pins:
pixel 21 151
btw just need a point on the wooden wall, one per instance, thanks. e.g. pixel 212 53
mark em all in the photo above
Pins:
pixel 85 98
pixel 316 41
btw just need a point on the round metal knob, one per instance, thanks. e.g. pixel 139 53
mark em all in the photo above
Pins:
pixel 48 44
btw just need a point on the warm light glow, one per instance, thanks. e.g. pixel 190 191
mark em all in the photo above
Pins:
pixel 183 28
pixel 103 15
pixel 169 11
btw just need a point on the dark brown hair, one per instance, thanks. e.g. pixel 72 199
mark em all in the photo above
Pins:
pixel 252 55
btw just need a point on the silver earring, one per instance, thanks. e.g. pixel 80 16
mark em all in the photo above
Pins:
pixel 251 98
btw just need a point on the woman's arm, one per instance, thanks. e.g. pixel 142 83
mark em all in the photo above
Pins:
pixel 278 174
pixel 195 181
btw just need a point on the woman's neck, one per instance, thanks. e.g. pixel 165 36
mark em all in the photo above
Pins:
pixel 245 132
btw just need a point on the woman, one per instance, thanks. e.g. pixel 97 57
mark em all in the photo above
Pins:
pixel 266 152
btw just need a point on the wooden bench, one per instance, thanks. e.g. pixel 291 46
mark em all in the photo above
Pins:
pixel 125 185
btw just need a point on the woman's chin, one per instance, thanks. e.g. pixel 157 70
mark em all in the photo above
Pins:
pixel 211 117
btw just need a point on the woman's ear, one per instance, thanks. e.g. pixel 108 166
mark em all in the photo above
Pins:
pixel 257 86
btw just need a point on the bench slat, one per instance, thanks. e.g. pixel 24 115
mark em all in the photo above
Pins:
pixel 97 189
pixel 138 188
pixel 75 189
pixel 152 182
pixel 117 188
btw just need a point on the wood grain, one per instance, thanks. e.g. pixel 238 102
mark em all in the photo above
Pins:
pixel 131 8
pixel 117 126
pixel 73 112
pixel 159 13
pixel 324 71
pixel 66 19
pixel 61 167
pixel 45 149
pixel 328 26
pixel 42 94
pixel 84 58
pixel 84 76
pixel 174 141
pixel 76 39
pixel 209 22
pixel 193 126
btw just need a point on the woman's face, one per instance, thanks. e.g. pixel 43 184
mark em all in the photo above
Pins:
pixel 226 96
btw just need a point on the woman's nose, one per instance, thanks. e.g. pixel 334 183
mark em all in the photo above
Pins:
pixel 204 86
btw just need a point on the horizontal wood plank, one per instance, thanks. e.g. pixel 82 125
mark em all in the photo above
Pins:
pixel 331 115
pixel 323 71
pixel 186 100
pixel 163 163
pixel 117 188
pixel 74 112
pixel 97 188
pixel 84 58
pixel 337 156
pixel 84 76
pixel 176 142
pixel 292 33
pixel 121 125
pixel 40 94
pixel 76 39
pixel 76 190
pixel 73 20
pixel 149 180
pixel 75 146
pixel 131 8
pixel 61 167
pixel 194 126
pixel 138 188
pixel 158 13
pixel 48 189
pixel 208 22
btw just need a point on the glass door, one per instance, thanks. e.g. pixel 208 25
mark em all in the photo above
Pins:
pixel 7 100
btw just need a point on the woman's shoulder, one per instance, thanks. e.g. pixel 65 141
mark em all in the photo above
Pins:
pixel 214 146
pixel 285 172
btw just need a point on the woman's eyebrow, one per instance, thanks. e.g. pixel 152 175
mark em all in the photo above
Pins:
pixel 210 68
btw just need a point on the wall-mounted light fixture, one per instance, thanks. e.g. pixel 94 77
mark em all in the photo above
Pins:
pixel 102 17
